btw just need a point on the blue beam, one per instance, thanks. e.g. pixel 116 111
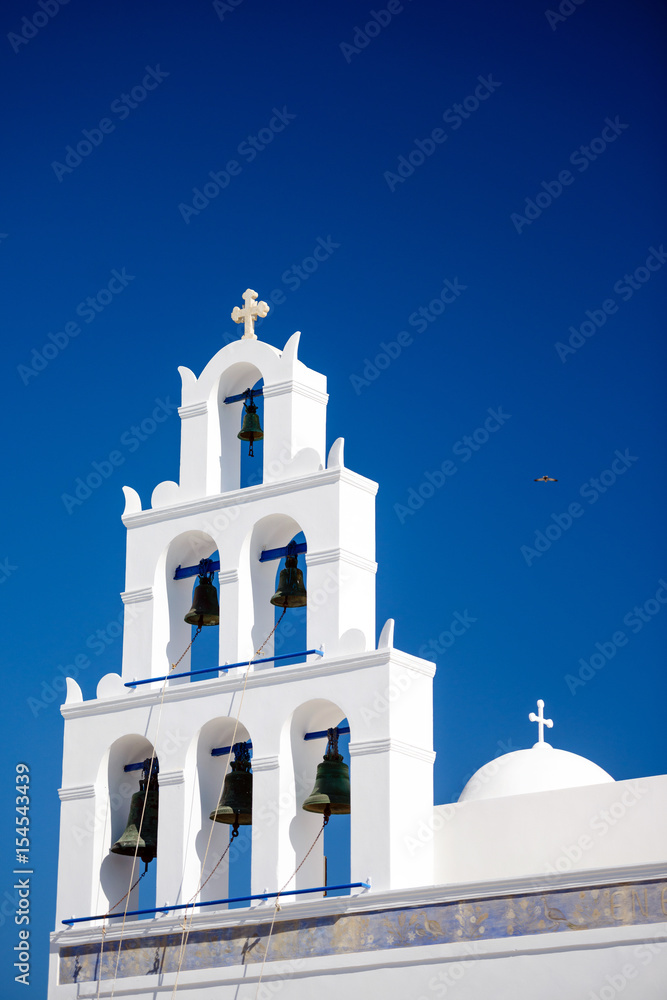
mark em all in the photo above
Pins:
pixel 292 549
pixel 323 734
pixel 226 666
pixel 205 566
pixel 220 902
pixel 243 395
pixel 221 751
pixel 142 764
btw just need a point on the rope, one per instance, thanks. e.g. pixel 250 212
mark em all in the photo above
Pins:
pixel 141 823
pixel 327 814
pixel 188 924
pixel 108 914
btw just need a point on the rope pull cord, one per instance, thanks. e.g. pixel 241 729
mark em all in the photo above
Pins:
pixel 149 774
pixel 187 648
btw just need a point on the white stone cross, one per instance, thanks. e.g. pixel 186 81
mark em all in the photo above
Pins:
pixel 249 313
pixel 541 721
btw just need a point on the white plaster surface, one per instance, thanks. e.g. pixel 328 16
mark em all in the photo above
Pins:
pixel 540 769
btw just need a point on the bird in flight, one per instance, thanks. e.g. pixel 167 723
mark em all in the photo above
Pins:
pixel 545 479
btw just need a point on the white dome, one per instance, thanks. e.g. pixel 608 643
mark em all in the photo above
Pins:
pixel 540 769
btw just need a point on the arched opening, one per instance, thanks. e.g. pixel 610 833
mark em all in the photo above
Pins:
pixel 316 717
pixel 237 469
pixel 118 872
pixel 204 652
pixel 258 581
pixel 177 577
pixel 291 634
pixel 252 466
pixel 337 833
pixel 215 755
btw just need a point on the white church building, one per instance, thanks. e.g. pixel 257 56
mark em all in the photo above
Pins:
pixel 547 880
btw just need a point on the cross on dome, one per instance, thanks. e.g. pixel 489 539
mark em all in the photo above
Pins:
pixel 541 723
pixel 251 310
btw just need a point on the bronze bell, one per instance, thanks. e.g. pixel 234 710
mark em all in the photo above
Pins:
pixel 291 592
pixel 205 609
pixel 235 805
pixel 331 794
pixel 139 837
pixel 251 429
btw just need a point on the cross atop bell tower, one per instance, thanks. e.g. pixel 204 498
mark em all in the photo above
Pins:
pixel 251 310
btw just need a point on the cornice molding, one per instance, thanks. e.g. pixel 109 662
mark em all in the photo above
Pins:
pixel 299 388
pixel 193 410
pixel 235 680
pixel 366 747
pixel 326 556
pixel 75 792
pixel 235 498
pixel 136 596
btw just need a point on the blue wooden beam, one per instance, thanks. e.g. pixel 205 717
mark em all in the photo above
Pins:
pixel 225 666
pixel 293 549
pixel 244 396
pixel 221 751
pixel 205 566
pixel 220 902
pixel 323 734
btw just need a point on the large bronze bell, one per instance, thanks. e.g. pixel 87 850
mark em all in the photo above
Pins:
pixel 291 592
pixel 205 609
pixel 251 429
pixel 140 838
pixel 235 805
pixel 331 794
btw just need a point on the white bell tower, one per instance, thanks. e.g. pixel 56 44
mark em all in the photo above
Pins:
pixel 386 695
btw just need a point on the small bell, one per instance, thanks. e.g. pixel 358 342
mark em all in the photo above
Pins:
pixel 331 794
pixel 205 609
pixel 251 429
pixel 235 805
pixel 132 841
pixel 291 592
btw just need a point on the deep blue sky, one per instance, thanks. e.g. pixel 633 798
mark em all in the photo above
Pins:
pixel 327 176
